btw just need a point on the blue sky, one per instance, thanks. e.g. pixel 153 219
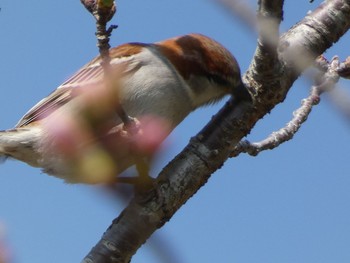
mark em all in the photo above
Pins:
pixel 286 205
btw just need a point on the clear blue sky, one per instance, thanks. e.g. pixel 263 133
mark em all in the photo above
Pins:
pixel 287 205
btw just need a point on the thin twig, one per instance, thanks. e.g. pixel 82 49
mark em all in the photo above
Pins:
pixel 103 11
pixel 326 81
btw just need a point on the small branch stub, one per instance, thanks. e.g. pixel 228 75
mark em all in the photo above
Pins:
pixel 344 69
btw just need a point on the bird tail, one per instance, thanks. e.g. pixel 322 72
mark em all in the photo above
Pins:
pixel 6 143
pixel 15 143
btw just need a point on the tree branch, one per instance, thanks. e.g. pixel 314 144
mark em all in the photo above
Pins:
pixel 209 149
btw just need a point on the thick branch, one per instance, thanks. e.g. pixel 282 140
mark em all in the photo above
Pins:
pixel 313 35
pixel 211 147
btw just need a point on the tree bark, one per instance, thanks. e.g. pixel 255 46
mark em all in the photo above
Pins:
pixel 270 76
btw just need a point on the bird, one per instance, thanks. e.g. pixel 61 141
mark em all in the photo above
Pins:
pixel 167 79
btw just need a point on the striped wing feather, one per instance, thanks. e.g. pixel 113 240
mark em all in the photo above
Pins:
pixel 90 74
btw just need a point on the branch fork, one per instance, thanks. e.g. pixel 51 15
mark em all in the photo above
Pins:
pixel 325 81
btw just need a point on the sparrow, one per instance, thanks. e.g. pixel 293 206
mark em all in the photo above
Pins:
pixel 75 133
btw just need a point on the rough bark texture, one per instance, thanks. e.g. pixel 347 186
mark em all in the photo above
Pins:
pixel 269 77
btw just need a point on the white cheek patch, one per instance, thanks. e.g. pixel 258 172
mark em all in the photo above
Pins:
pixel 204 91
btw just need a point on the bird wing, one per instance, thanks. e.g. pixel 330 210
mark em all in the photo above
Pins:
pixel 89 75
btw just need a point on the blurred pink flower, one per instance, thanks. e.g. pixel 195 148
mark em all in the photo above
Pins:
pixel 87 136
